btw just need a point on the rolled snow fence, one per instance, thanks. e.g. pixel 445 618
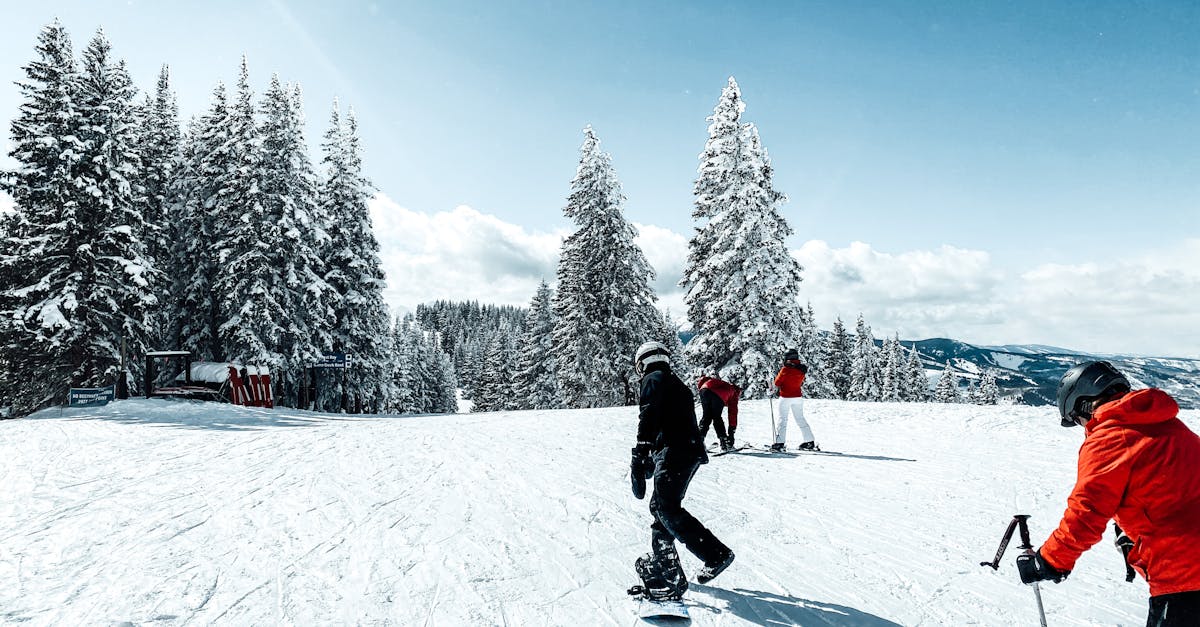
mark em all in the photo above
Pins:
pixel 1019 522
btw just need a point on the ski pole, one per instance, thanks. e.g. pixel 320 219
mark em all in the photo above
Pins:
pixel 774 431
pixel 1019 521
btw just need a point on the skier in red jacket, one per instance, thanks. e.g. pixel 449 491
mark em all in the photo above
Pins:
pixel 1138 465
pixel 716 394
pixel 790 382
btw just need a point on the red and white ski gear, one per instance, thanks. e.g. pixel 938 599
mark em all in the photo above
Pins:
pixel 1138 465
pixel 790 379
pixel 728 393
pixel 793 407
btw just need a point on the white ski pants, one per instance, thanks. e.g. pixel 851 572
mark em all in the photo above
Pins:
pixel 795 408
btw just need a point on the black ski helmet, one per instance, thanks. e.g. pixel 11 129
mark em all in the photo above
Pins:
pixel 791 354
pixel 1087 381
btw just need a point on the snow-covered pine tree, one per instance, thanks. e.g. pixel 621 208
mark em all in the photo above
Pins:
pixel 313 225
pixel 836 359
pixel 988 392
pixel 120 280
pixel 674 343
pixel 444 399
pixel 916 383
pixel 864 365
pixel 971 396
pixel 78 230
pixel 159 146
pixel 946 390
pixel 604 303
pixel 741 282
pixel 294 261
pixel 39 250
pixel 250 312
pixel 494 389
pixel 893 374
pixel 355 273
pixel 403 366
pixel 536 385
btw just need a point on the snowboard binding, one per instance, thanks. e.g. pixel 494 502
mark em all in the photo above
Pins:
pixel 660 581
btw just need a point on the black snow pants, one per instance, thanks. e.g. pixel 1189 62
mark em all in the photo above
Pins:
pixel 712 405
pixel 672 522
pixel 1181 609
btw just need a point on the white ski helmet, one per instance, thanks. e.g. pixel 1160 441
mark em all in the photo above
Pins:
pixel 649 353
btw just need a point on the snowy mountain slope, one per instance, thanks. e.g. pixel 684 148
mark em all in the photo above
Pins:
pixel 1032 372
pixel 152 512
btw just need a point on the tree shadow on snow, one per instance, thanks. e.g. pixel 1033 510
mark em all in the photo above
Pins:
pixel 764 608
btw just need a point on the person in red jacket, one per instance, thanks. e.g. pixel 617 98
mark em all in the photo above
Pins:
pixel 1140 465
pixel 790 382
pixel 716 395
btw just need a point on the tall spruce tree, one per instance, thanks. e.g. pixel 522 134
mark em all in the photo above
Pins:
pixel 294 260
pixel 536 384
pixel 988 392
pixel 604 304
pixel 80 282
pixel 38 258
pixel 250 308
pixel 892 379
pixel 864 365
pixel 159 145
pixel 837 360
pixel 201 193
pixel 355 273
pixel 916 382
pixel 946 390
pixel 741 282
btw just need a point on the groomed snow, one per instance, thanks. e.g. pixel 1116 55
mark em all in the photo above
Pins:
pixel 172 513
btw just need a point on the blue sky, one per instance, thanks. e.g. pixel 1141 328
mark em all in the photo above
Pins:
pixel 1057 139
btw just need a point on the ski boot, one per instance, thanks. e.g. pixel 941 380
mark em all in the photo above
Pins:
pixel 777 447
pixel 714 568
pixel 726 444
pixel 809 446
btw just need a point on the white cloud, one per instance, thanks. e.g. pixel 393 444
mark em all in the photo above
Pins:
pixel 468 255
pixel 1149 304
pixel 917 293
pixel 459 255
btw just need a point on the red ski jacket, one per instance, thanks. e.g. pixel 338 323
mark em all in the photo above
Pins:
pixel 1140 465
pixel 728 393
pixel 790 379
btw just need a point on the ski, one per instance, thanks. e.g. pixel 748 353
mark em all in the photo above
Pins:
pixel 718 452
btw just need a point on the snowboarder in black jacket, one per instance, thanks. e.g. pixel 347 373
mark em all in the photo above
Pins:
pixel 669 450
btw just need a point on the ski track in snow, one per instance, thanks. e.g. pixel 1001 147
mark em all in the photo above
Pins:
pixel 168 513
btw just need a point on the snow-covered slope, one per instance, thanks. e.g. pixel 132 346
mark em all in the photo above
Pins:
pixel 153 512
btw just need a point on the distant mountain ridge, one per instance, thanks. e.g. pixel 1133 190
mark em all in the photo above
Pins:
pixel 1030 373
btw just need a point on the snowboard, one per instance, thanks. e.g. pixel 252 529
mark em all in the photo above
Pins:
pixel 662 611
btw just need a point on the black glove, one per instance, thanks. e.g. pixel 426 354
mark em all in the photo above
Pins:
pixel 641 468
pixel 1034 569
pixel 1124 545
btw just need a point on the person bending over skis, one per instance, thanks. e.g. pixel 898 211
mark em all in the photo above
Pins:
pixel 716 395
pixel 669 451
pixel 1138 465
pixel 790 381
